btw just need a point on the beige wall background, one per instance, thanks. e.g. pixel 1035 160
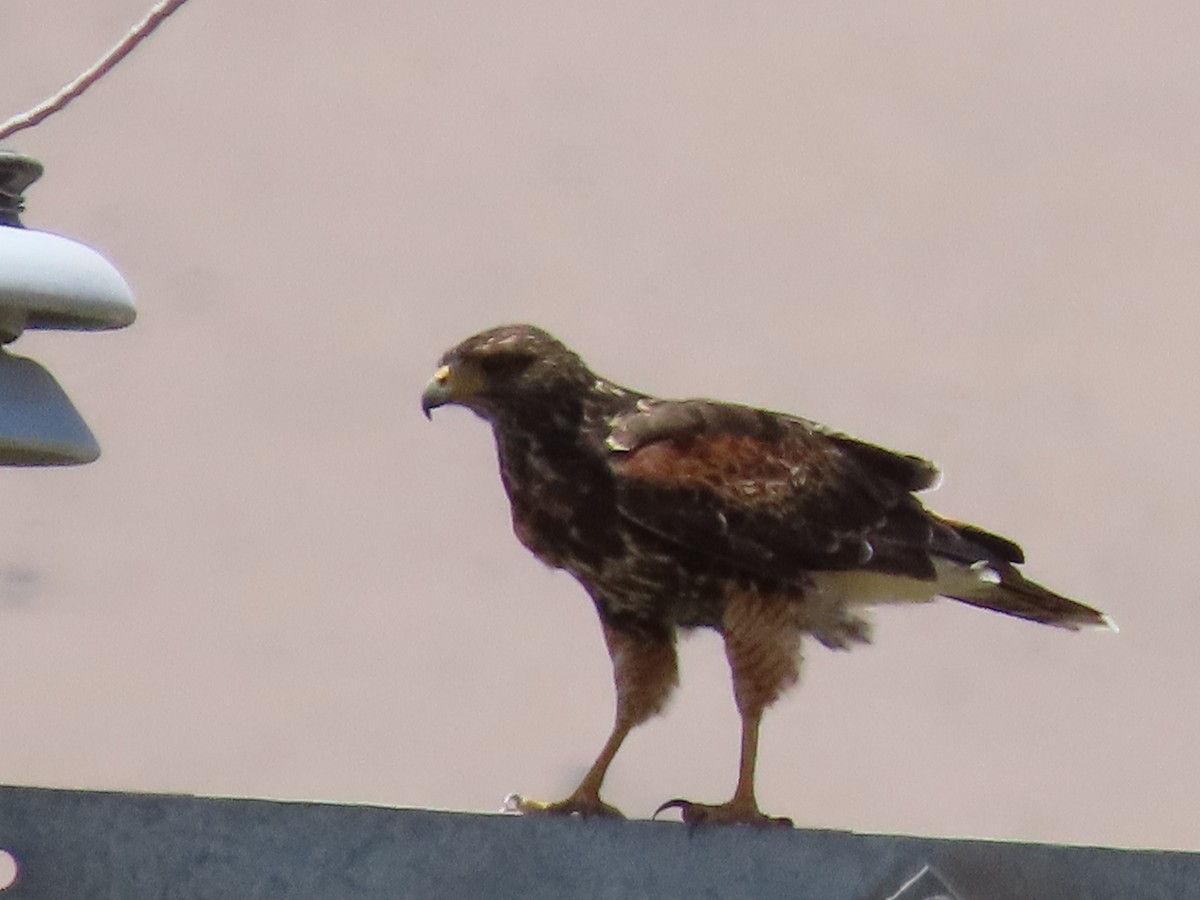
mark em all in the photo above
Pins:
pixel 966 230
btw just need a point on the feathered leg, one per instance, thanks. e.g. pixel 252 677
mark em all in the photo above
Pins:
pixel 762 643
pixel 644 673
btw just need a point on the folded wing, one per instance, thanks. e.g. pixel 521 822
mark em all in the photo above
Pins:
pixel 770 493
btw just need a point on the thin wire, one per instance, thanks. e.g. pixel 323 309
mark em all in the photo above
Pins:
pixel 157 15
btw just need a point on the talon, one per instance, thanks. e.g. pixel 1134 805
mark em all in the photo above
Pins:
pixel 732 813
pixel 676 803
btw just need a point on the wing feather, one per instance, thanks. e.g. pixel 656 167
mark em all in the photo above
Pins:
pixel 767 492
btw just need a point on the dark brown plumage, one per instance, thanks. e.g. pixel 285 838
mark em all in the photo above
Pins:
pixel 686 513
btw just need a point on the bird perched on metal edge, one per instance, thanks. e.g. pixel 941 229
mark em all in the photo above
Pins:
pixel 679 514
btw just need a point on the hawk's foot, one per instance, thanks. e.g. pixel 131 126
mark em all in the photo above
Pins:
pixel 739 812
pixel 584 805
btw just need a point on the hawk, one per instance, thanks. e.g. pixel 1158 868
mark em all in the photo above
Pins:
pixel 681 514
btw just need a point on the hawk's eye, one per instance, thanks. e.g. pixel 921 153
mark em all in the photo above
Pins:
pixel 505 365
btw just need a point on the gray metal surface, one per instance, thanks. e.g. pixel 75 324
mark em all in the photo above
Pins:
pixel 76 844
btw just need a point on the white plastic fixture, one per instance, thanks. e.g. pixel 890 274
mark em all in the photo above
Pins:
pixel 51 282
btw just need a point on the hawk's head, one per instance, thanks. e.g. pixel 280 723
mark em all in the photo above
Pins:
pixel 504 369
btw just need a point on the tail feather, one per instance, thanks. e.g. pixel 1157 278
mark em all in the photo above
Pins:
pixel 978 567
pixel 1008 591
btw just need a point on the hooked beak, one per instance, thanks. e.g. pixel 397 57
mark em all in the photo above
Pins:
pixel 437 392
